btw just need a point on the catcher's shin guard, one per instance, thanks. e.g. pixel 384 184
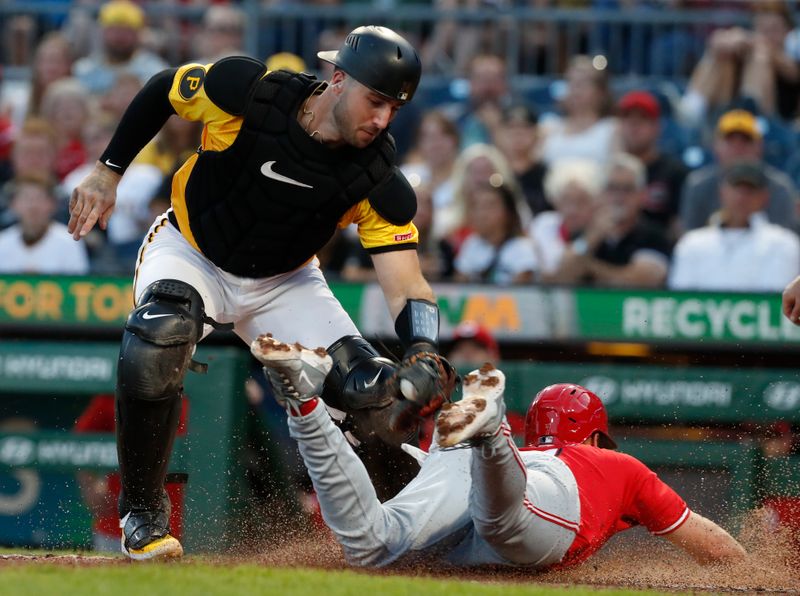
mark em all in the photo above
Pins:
pixel 157 346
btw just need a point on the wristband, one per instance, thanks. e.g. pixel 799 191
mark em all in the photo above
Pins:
pixel 418 322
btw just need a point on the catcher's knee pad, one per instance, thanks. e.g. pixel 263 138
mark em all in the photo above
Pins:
pixel 359 376
pixel 158 342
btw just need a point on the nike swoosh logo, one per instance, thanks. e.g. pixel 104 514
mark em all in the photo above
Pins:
pixel 304 378
pixel 267 170
pixel 148 316
pixel 110 164
pixel 368 384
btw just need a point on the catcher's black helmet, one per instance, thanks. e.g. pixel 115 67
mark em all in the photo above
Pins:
pixel 380 59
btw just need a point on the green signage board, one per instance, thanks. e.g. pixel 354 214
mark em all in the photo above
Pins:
pixel 655 394
pixel 520 314
pixel 618 315
pixel 58 450
pixel 39 300
pixel 57 368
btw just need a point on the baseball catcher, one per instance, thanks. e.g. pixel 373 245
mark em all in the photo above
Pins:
pixel 285 160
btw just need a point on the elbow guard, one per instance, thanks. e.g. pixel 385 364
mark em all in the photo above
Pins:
pixel 359 376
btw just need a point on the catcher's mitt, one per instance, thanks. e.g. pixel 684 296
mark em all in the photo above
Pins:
pixel 426 380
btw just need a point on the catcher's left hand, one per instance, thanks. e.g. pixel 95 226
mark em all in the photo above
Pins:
pixel 427 380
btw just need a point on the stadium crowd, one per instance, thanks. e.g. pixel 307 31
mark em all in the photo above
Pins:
pixel 603 182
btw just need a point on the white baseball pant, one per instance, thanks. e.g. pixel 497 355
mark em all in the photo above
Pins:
pixel 297 306
pixel 489 505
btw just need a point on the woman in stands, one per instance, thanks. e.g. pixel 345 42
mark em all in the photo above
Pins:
pixel 497 251
pixel 586 129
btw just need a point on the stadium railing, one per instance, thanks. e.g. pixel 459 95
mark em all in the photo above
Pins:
pixel 642 41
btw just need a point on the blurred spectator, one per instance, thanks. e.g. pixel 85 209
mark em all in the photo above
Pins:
pixel 100 492
pixel 222 34
pixel 435 254
pixel 32 155
pixel 739 62
pixel 573 187
pixel 131 217
pixel 357 266
pixel 739 250
pixel 121 25
pixel 66 107
pixel 286 61
pixel 52 62
pixel 434 157
pixel 477 165
pixel 453 45
pixel 674 51
pixel 473 344
pixel 158 205
pixel 332 37
pixel 517 137
pixel 34 152
pixel 542 47
pixel 19 38
pixel 497 251
pixel 586 129
pixel 36 243
pixel 116 100
pixel 738 138
pixel 639 131
pixel 621 248
pixel 479 117
pixel 174 144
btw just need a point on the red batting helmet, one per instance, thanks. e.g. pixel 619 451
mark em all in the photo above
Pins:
pixel 566 413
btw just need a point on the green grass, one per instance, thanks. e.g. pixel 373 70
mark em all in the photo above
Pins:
pixel 198 578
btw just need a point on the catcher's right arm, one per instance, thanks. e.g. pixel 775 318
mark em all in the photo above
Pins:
pixel 425 378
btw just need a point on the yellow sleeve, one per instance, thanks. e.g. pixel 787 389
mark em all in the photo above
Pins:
pixel 188 96
pixel 377 234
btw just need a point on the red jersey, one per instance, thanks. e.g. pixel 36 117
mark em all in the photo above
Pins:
pixel 616 492
pixel 98 417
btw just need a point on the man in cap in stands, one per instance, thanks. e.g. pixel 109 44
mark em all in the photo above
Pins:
pixel 738 138
pixel 121 23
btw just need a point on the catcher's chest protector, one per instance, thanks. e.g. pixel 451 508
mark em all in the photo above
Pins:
pixel 270 201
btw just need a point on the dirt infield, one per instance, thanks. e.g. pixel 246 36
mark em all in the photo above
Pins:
pixel 771 566
pixel 645 563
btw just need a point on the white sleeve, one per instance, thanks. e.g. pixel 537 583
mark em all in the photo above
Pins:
pixel 519 256
pixel 680 276
pixel 468 260
pixel 77 262
pixel 783 265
